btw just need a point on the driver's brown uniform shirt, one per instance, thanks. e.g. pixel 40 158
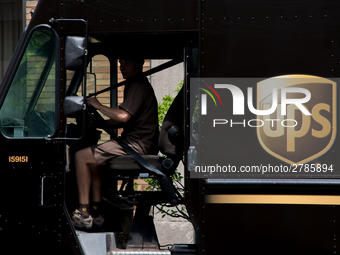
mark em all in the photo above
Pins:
pixel 141 131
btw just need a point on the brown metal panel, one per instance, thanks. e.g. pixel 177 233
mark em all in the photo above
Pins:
pixel 265 39
pixel 152 29
pixel 107 16
pixel 269 38
pixel 271 229
pixel 158 29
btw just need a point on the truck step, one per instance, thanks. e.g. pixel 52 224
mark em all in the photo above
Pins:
pixel 132 252
pixel 104 243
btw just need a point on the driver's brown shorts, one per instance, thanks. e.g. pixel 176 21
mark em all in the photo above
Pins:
pixel 110 149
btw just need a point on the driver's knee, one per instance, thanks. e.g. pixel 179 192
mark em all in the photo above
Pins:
pixel 86 156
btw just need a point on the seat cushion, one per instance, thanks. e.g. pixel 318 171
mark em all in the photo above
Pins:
pixel 127 162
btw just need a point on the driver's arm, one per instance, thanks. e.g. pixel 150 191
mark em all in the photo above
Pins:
pixel 117 116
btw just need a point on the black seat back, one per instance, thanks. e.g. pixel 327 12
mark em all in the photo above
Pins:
pixel 171 139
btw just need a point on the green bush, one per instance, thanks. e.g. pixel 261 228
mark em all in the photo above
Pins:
pixel 164 106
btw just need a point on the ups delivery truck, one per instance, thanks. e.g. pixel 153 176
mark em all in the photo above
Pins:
pixel 255 125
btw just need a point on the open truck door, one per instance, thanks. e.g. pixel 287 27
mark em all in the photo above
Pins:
pixel 32 161
pixel 36 187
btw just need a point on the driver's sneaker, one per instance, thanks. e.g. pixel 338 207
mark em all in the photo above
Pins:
pixel 80 222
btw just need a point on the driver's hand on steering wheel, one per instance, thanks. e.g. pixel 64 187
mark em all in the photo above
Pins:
pixel 93 102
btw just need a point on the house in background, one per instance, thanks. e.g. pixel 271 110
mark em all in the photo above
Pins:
pixel 12 24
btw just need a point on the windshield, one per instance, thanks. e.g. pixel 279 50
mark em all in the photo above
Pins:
pixel 29 106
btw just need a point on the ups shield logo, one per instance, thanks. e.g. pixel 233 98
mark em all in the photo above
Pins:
pixel 297 132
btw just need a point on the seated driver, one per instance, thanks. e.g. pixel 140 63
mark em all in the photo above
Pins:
pixel 138 115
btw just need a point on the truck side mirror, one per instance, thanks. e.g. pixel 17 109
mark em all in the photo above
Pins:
pixel 75 53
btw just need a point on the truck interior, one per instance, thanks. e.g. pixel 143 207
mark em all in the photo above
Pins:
pixel 132 228
pixel 127 211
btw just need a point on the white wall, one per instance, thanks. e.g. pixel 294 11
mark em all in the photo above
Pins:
pixel 166 81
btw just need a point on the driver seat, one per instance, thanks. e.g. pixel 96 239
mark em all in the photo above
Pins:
pixel 171 145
